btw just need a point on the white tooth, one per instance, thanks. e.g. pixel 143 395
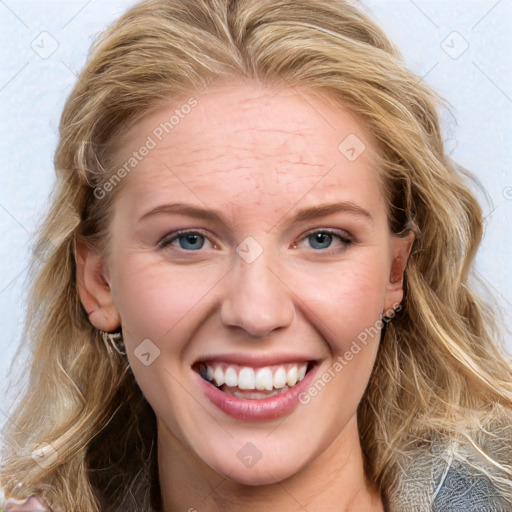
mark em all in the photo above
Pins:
pixel 264 379
pixel 209 372
pixel 246 378
pixel 302 371
pixel 291 376
pixel 230 377
pixel 218 376
pixel 280 378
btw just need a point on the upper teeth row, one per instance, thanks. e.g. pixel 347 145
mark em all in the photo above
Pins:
pixel 245 377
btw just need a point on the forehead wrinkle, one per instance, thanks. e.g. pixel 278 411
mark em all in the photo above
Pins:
pixel 286 135
pixel 287 158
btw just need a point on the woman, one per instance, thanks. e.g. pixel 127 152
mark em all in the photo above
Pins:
pixel 256 285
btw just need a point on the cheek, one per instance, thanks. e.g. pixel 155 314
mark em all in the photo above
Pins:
pixel 154 300
pixel 349 317
pixel 348 301
pixel 164 306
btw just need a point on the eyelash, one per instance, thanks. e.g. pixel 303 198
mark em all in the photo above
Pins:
pixel 344 237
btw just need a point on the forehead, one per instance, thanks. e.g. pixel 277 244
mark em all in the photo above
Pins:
pixel 246 143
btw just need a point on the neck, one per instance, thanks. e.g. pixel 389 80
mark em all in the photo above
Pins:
pixel 334 480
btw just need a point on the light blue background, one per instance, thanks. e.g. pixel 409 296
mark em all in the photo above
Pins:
pixel 33 90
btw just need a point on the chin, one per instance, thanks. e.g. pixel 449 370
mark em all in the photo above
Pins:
pixel 265 471
pixel 262 476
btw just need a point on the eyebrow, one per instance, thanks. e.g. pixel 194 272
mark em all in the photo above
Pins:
pixel 305 214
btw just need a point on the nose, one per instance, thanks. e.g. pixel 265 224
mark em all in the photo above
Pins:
pixel 256 299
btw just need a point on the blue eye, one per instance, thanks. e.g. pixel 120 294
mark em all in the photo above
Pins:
pixel 322 239
pixel 194 242
pixel 187 240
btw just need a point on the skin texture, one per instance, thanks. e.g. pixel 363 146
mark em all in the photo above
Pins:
pixel 257 156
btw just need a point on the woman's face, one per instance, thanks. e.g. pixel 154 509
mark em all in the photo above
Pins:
pixel 250 243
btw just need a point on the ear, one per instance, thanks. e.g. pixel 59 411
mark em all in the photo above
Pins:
pixel 401 248
pixel 94 288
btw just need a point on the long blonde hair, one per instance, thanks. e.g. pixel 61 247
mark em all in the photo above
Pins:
pixel 440 372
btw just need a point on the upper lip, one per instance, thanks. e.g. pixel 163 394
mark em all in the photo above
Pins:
pixel 256 360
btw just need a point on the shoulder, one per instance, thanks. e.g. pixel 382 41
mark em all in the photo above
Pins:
pixel 449 477
pixel 33 503
pixel 464 487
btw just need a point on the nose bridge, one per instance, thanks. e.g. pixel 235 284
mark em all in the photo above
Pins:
pixel 256 299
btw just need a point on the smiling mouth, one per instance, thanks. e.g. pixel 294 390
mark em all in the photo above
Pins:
pixel 253 383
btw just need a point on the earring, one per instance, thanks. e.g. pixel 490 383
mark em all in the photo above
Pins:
pixel 114 339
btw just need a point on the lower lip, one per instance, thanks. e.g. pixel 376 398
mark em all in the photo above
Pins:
pixel 256 410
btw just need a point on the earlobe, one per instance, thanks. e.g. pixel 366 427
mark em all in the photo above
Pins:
pixel 94 289
pixel 401 250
